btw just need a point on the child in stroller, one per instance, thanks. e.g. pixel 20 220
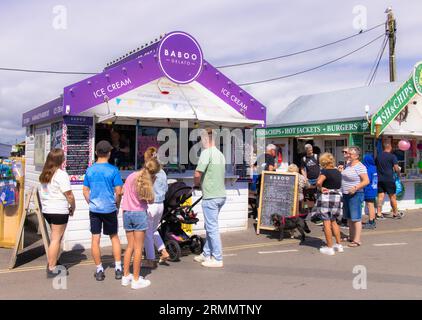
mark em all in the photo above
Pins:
pixel 175 213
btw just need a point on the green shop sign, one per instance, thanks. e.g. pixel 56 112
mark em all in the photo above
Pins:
pixel 390 110
pixel 417 77
pixel 359 126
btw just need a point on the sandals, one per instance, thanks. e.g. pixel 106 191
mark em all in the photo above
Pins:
pixel 346 239
pixel 354 244
pixel 164 259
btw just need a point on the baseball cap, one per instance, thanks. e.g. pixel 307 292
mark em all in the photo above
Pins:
pixel 103 147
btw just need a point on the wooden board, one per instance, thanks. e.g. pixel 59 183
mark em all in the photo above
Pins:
pixel 278 195
pixel 33 195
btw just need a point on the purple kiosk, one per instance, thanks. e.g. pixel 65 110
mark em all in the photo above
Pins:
pixel 160 91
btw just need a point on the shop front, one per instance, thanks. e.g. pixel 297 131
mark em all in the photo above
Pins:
pixel 155 96
pixel 363 117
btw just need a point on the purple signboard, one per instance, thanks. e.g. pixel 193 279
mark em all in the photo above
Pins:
pixel 231 93
pixel 47 112
pixel 180 57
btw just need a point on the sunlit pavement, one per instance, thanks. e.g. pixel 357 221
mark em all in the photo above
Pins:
pixel 386 266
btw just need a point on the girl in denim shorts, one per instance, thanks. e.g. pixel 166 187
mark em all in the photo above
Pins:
pixel 137 193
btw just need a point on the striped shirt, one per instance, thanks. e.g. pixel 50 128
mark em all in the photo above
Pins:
pixel 350 177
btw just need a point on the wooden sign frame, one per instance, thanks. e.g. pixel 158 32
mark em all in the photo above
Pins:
pixel 295 204
pixel 33 194
pixel 5 240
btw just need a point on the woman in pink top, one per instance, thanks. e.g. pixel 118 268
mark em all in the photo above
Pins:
pixel 137 193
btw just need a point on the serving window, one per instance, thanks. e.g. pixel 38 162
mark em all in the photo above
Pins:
pixel 123 140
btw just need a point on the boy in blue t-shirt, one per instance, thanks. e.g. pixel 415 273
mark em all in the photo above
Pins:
pixel 102 190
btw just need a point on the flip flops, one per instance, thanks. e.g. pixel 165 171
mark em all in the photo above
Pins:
pixel 354 244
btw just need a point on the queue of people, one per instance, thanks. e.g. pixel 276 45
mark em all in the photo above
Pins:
pixel 336 194
pixel 141 199
pixel 340 192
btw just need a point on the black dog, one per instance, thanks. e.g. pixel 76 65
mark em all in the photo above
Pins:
pixel 290 223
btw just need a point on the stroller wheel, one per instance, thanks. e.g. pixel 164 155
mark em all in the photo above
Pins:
pixel 197 244
pixel 174 250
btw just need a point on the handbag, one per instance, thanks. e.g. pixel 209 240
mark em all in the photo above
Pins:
pixel 399 185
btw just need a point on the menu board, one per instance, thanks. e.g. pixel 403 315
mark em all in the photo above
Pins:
pixel 78 147
pixel 56 135
pixel 278 195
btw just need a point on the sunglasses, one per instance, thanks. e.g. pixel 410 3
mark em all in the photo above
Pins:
pixel 345 151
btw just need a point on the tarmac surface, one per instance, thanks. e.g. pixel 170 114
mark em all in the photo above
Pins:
pixel 388 265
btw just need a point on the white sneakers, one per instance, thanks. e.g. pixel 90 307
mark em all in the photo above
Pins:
pixel 327 250
pixel 338 248
pixel 141 283
pixel 127 280
pixel 200 258
pixel 208 262
pixel 331 251
pixel 212 263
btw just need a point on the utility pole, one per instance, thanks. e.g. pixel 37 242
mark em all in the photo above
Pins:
pixel 391 30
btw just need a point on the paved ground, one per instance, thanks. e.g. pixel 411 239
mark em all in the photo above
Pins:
pixel 256 267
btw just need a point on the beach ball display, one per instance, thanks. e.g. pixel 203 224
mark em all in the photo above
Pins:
pixel 404 145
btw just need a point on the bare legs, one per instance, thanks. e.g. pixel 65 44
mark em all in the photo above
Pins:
pixel 135 243
pixel 57 232
pixel 393 202
pixel 355 230
pixel 330 228
pixel 371 209
pixel 96 252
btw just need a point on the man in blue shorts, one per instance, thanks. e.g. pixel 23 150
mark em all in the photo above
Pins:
pixel 387 164
pixel 102 190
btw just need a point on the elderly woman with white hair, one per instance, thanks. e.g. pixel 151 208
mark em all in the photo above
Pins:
pixel 354 180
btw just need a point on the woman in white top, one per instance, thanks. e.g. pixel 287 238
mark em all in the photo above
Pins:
pixel 57 204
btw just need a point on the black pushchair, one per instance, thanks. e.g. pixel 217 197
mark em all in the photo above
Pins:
pixel 175 238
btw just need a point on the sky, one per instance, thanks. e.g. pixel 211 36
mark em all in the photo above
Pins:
pixel 230 31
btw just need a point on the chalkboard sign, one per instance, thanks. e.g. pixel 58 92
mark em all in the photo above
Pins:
pixel 278 195
pixel 78 154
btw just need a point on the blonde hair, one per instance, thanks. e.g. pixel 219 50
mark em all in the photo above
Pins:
pixel 327 160
pixel 293 168
pixel 150 153
pixel 144 180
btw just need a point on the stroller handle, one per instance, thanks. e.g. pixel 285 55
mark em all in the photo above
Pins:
pixel 194 204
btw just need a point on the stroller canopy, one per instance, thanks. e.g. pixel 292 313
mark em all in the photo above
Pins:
pixel 177 194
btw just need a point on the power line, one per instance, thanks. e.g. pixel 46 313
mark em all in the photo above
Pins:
pixel 374 75
pixel 314 68
pixel 47 71
pixel 300 52
pixel 220 67
pixel 375 62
